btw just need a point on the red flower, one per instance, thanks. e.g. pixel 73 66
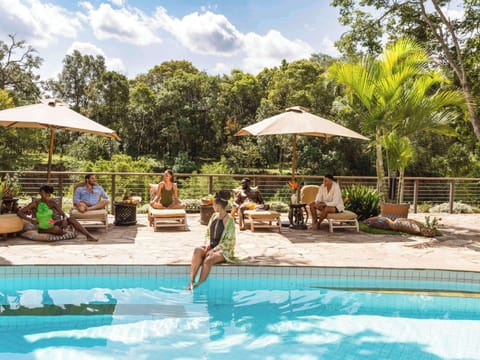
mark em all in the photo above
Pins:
pixel 293 185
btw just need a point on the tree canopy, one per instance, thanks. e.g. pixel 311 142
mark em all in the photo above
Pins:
pixel 178 116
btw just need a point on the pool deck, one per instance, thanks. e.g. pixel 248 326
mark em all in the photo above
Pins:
pixel 457 249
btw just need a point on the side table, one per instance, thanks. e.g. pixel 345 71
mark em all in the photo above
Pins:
pixel 298 216
pixel 125 214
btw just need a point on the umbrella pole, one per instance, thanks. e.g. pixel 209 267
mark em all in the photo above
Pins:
pixel 50 154
pixel 294 155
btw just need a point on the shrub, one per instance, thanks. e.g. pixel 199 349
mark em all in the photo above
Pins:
pixel 278 206
pixel 458 208
pixel 192 205
pixel 425 206
pixel 362 200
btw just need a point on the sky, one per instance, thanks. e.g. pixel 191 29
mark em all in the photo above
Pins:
pixel 134 36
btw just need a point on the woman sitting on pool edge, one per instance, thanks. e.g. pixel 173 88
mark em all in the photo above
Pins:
pixel 219 241
pixel 44 209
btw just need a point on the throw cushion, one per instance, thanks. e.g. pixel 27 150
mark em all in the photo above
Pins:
pixel 31 233
pixel 89 215
pixel 378 222
pixel 406 225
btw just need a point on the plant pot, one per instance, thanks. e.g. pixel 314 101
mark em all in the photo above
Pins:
pixel 428 232
pixel 206 212
pixel 206 201
pixel 294 199
pixel 394 211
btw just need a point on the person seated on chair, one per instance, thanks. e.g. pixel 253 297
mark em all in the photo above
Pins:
pixel 219 241
pixel 44 209
pixel 167 193
pixel 328 200
pixel 91 196
pixel 246 199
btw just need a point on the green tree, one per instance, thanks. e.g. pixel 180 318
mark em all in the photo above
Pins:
pixel 109 96
pixel 6 101
pixel 18 62
pixel 77 74
pixel 399 152
pixel 455 41
pixel 397 91
pixel 139 134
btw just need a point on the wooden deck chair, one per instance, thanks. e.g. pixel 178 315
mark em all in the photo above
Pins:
pixel 308 193
pixel 90 219
pixel 165 218
pixel 345 219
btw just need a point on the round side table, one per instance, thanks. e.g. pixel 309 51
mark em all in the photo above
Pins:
pixel 298 216
pixel 125 214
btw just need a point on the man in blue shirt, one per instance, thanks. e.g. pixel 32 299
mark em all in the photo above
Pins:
pixel 91 196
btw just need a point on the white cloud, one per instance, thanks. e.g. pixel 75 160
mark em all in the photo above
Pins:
pixel 271 49
pixel 113 64
pixel 328 47
pixel 213 34
pixel 40 24
pixel 125 24
pixel 117 2
pixel 206 33
pixel 220 69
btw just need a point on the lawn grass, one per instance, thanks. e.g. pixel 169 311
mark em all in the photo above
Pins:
pixel 372 230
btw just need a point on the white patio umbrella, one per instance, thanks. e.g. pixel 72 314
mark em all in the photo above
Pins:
pixel 297 121
pixel 52 114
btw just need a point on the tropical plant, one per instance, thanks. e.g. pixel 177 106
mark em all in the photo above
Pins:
pixel 362 200
pixel 397 91
pixel 9 186
pixel 430 226
pixel 399 152
pixel 453 40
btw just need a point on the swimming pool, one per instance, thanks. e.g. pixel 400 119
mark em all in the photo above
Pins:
pixel 124 312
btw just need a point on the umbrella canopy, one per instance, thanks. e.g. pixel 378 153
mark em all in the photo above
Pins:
pixel 297 121
pixel 52 114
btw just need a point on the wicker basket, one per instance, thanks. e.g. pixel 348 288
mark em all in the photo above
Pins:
pixel 125 214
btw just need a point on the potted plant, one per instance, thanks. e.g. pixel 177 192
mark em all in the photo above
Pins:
pixel 295 187
pixel 399 153
pixel 430 227
pixel 9 186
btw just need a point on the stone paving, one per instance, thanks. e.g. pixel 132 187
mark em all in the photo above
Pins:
pixel 457 249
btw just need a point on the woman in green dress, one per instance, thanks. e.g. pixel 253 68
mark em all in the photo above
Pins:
pixel 44 209
pixel 219 241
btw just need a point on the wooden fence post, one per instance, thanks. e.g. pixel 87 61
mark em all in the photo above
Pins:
pixel 451 196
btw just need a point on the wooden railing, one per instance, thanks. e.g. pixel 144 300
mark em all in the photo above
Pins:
pixel 418 190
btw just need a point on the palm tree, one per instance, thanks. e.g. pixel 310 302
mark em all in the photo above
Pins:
pixel 399 152
pixel 397 90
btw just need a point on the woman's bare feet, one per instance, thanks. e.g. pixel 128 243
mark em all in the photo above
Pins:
pixel 91 238
pixel 315 226
pixel 192 286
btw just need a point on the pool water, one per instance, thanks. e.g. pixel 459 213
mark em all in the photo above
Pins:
pixel 245 317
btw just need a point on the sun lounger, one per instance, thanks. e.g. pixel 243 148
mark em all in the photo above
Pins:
pixel 165 218
pixel 345 220
pixel 266 219
pixel 91 219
